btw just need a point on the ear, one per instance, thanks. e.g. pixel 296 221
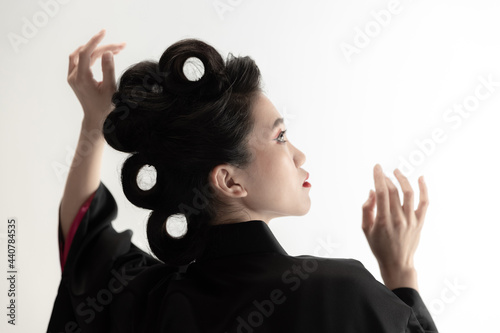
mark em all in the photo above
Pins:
pixel 225 179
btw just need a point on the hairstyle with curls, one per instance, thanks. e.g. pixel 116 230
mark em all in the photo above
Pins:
pixel 183 129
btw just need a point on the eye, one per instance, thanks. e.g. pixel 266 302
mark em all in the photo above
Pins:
pixel 280 137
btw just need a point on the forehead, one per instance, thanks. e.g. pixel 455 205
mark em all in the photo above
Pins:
pixel 265 113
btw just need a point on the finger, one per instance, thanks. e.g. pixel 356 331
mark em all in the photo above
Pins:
pixel 382 193
pixel 114 48
pixel 395 201
pixel 108 71
pixel 368 213
pixel 86 51
pixel 424 200
pixel 73 60
pixel 407 192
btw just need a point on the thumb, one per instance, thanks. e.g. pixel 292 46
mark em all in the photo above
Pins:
pixel 368 213
pixel 108 71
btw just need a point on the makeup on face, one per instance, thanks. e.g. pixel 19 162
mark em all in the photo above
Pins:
pixel 306 184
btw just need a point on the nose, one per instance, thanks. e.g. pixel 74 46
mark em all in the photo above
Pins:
pixel 299 157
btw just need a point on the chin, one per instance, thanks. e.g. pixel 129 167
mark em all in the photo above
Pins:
pixel 303 211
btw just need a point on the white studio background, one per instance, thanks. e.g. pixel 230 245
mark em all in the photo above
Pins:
pixel 408 84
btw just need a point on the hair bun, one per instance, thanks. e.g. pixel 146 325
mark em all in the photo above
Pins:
pixel 213 81
pixel 127 128
pixel 148 199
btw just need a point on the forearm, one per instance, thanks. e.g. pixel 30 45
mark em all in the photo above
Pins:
pixel 84 174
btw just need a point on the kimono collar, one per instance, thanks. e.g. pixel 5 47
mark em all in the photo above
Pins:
pixel 248 237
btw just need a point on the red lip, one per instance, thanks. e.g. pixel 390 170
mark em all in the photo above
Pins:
pixel 306 184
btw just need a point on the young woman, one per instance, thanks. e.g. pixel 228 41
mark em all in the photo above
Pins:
pixel 224 164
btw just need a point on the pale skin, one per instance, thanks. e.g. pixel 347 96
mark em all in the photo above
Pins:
pixel 257 192
pixel 271 186
pixel 95 97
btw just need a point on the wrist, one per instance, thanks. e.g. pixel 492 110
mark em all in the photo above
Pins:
pixel 93 127
pixel 400 277
pixel 92 123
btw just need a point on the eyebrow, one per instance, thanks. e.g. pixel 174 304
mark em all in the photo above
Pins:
pixel 277 122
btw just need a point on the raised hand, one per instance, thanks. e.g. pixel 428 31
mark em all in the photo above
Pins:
pixel 394 234
pixel 95 97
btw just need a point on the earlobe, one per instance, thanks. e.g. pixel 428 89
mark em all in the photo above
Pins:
pixel 222 178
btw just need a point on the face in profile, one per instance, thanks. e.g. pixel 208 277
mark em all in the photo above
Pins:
pixel 274 179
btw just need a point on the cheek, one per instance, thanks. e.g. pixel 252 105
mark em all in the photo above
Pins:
pixel 272 170
pixel 265 172
pixel 275 172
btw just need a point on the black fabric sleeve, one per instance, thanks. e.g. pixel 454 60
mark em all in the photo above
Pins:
pixel 412 298
pixel 104 270
pixel 400 304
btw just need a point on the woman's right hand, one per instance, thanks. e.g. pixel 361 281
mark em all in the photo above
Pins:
pixel 95 97
pixel 394 234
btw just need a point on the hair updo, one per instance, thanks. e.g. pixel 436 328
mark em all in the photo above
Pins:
pixel 183 128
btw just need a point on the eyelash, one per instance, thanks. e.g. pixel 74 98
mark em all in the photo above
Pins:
pixel 280 135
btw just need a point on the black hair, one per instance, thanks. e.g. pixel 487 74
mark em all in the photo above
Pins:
pixel 183 128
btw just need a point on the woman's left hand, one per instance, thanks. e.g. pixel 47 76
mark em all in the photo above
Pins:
pixel 95 97
pixel 394 234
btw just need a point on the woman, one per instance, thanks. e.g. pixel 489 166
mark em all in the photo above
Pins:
pixel 223 163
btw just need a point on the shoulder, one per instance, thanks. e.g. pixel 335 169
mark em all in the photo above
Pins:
pixel 346 282
pixel 342 274
pixel 341 268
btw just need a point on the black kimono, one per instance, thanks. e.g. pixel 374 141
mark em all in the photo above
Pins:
pixel 245 282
